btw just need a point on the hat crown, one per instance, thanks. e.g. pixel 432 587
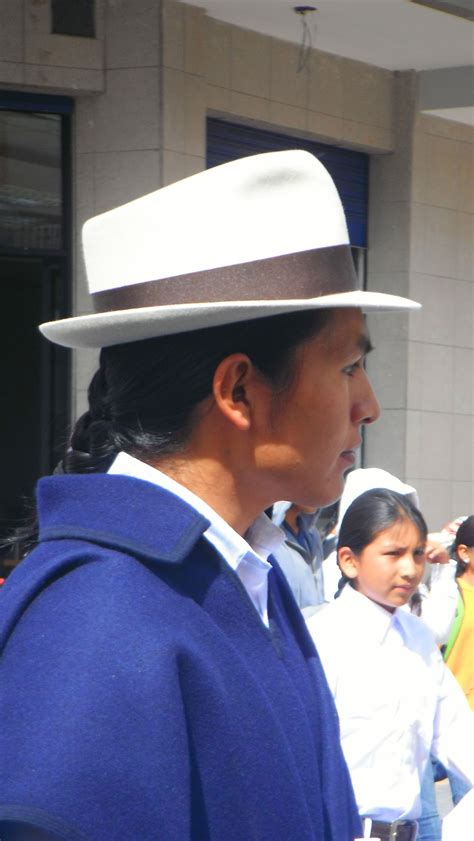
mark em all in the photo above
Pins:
pixel 251 209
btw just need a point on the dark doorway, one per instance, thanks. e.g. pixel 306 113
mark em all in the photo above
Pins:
pixel 35 253
pixel 33 384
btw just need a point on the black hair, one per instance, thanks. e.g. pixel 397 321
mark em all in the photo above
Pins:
pixel 371 513
pixel 464 537
pixel 144 396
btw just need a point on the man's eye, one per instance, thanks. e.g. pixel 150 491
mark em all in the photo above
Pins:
pixel 351 369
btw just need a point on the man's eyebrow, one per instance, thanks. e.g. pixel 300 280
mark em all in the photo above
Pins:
pixel 364 344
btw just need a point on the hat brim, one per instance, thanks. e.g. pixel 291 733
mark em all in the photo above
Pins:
pixel 133 325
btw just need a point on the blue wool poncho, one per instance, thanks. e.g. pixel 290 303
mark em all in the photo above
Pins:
pixel 142 697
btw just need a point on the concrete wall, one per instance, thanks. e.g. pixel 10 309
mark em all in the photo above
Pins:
pixel 421 243
pixel 440 395
pixel 143 90
pixel 222 70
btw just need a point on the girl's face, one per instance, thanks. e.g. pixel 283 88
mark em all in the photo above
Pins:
pixel 390 568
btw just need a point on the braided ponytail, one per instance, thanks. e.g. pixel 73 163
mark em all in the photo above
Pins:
pixel 92 448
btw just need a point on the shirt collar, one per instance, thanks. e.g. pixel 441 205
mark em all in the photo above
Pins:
pixel 371 617
pixel 262 539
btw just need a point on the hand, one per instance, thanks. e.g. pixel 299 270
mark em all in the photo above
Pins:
pixel 435 552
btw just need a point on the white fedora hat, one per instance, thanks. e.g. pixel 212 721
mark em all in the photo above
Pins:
pixel 256 237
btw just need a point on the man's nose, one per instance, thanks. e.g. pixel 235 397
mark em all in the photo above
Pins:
pixel 366 407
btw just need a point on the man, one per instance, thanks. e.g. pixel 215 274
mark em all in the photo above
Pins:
pixel 301 556
pixel 157 678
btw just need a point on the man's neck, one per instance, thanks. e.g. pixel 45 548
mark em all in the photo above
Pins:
pixel 215 485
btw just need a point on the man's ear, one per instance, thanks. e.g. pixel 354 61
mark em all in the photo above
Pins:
pixel 233 389
pixel 347 562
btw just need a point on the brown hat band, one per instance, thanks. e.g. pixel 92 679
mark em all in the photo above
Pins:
pixel 305 274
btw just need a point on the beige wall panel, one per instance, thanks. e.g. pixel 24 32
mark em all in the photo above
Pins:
pixel 251 62
pixel 71 81
pixel 82 303
pixel 436 455
pixel 385 442
pixel 412 466
pixel 132 33
pixel 465 201
pixel 465 246
pixel 325 83
pixel 128 116
pixel 324 127
pixel 386 369
pixel 195 43
pixel 251 107
pixel 218 99
pixel 287 84
pixel 463 333
pixel 463 382
pixel 287 117
pixel 435 501
pixel 86 362
pixel 63 50
pixel 177 166
pixel 84 187
pixel 173 35
pixel 11 31
pixel 435 323
pixel 389 235
pixel 194 116
pixel 367 94
pixel 444 128
pixel 421 173
pixel 37 16
pixel 388 178
pixel 366 137
pixel 463 456
pixel 430 377
pixel 12 73
pixel 387 327
pixel 218 54
pixel 444 173
pixel 120 177
pixel 85 124
pixel 462 498
pixel 173 109
pixel 184 113
pixel 434 240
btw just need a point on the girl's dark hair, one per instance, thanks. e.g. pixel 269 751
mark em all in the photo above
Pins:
pixel 144 396
pixel 371 513
pixel 464 537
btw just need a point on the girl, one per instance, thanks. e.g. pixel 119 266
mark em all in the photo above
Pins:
pixel 459 651
pixel 396 700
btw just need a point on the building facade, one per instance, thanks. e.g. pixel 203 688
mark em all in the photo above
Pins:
pixel 136 93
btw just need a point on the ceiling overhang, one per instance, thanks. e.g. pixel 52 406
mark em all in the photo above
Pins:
pixel 460 8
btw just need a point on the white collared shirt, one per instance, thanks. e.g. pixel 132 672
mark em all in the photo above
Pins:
pixel 396 700
pixel 247 557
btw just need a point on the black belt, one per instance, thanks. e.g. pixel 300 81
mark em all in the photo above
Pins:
pixel 396 831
